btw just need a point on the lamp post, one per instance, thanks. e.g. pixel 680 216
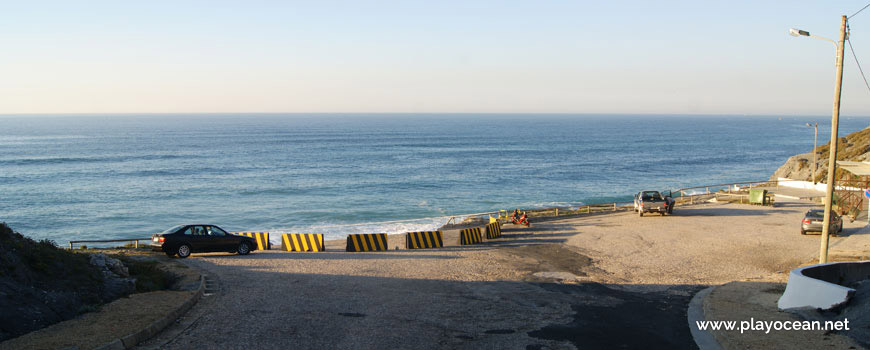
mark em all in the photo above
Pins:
pixel 815 145
pixel 835 120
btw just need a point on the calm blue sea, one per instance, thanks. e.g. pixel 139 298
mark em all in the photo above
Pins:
pixel 118 176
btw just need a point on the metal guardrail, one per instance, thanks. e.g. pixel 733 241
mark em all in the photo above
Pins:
pixel 453 217
pixel 685 196
pixel 135 241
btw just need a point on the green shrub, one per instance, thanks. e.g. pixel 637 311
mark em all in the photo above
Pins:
pixel 149 276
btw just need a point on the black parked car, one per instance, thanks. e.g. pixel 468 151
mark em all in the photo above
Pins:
pixel 185 239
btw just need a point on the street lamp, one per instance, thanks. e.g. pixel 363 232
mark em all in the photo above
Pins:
pixel 815 145
pixel 835 120
pixel 798 32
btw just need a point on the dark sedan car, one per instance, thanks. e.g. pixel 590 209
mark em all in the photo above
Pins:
pixel 185 239
pixel 814 221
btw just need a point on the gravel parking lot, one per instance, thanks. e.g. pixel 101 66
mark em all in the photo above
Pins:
pixel 599 281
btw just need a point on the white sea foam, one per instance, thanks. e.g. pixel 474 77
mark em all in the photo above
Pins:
pixel 340 231
pixel 694 192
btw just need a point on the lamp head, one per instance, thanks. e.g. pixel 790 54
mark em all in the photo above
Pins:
pixel 810 125
pixel 798 32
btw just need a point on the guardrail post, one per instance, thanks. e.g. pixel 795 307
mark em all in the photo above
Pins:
pixel 136 244
pixel 614 206
pixel 70 245
pixel 557 211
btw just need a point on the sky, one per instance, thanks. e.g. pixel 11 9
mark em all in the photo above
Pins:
pixel 636 57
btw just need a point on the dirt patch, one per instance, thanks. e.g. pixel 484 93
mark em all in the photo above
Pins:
pixel 553 258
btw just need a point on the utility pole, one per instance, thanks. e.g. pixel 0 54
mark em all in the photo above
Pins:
pixel 815 145
pixel 832 160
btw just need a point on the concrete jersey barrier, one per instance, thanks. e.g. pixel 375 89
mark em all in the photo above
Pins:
pixel 262 239
pixel 493 230
pixel 427 239
pixel 302 242
pixel 470 236
pixel 366 242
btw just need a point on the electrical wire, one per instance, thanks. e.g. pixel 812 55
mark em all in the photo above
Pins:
pixel 859 64
pixel 859 11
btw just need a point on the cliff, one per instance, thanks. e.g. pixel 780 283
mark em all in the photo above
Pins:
pixel 852 147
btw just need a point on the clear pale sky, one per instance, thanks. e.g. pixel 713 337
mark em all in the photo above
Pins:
pixel 686 57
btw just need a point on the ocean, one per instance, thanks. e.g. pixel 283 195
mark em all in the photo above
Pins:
pixel 65 177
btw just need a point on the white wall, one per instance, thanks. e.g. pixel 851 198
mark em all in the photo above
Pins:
pixel 785 182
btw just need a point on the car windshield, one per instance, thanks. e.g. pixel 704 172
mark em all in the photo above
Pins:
pixel 173 229
pixel 816 214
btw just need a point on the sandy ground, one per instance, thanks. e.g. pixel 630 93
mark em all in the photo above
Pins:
pixel 702 244
pixel 599 281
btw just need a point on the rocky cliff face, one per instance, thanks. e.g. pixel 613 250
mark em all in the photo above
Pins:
pixel 852 147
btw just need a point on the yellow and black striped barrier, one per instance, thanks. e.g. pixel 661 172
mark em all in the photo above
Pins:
pixel 302 242
pixel 493 230
pixel 470 236
pixel 366 242
pixel 262 239
pixel 428 239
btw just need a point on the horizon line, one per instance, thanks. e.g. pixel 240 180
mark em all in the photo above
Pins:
pixel 413 113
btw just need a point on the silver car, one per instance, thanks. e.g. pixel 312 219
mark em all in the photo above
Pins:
pixel 814 219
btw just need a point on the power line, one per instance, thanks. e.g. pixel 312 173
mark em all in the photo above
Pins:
pixel 858 63
pixel 859 11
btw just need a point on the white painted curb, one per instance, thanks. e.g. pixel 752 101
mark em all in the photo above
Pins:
pixel 704 339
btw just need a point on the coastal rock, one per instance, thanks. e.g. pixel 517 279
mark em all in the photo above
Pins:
pixel 112 265
pixel 116 276
pixel 853 147
pixel 799 167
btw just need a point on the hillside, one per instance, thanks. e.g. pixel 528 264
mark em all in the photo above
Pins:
pixel 41 284
pixel 852 147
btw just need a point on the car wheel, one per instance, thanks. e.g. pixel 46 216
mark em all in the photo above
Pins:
pixel 840 228
pixel 803 232
pixel 183 251
pixel 244 248
pixel 170 254
pixel 640 213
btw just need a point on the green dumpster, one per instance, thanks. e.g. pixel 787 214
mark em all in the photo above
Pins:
pixel 757 196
